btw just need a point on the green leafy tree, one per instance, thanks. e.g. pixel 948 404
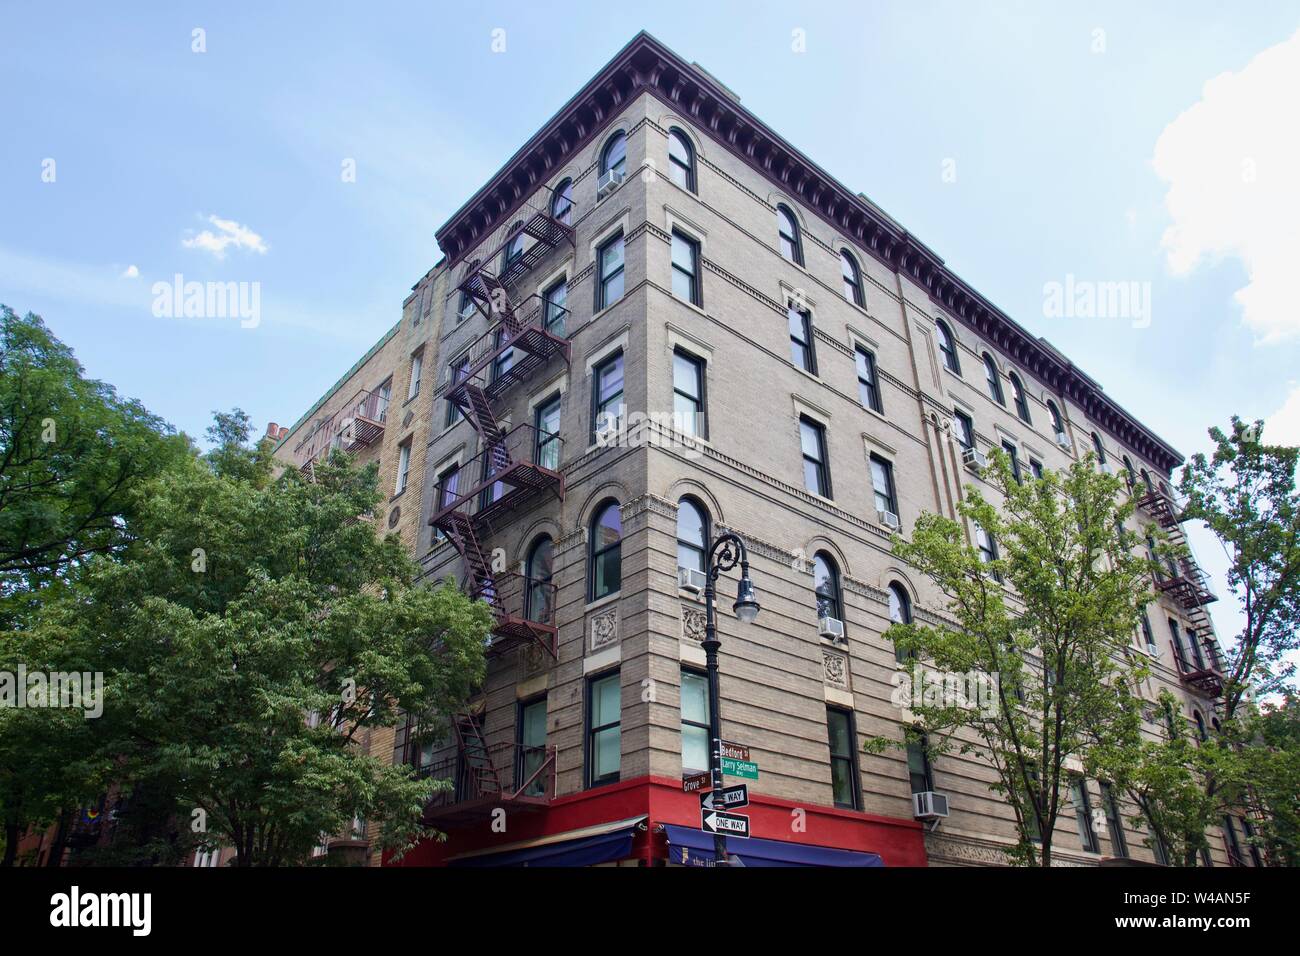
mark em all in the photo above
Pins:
pixel 1246 493
pixel 252 636
pixel 1273 772
pixel 1053 618
pixel 73 455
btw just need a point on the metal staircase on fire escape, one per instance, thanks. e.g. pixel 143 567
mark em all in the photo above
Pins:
pixel 1183 580
pixel 515 466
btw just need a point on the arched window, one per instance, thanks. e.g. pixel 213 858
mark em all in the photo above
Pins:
pixel 614 158
pixel 948 347
pixel 826 584
pixel 1200 726
pixel 1099 448
pixel 1057 422
pixel 1018 396
pixel 787 228
pixel 900 612
pixel 605 555
pixel 692 534
pixel 995 383
pixel 514 248
pixel 681 159
pixel 1130 476
pixel 852 277
pixel 539 599
pixel 562 203
pixel 1146 480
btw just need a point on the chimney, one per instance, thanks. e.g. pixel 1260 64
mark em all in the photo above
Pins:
pixel 273 432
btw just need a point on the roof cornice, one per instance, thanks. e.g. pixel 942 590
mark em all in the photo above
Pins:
pixel 647 66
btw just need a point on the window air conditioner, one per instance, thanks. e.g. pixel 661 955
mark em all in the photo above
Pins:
pixel 929 805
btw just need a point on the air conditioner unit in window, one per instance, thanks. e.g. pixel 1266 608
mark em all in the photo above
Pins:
pixel 1106 469
pixel 974 459
pixel 889 520
pixel 690 579
pixel 1063 440
pixel 348 433
pixel 607 183
pixel 929 805
pixel 830 628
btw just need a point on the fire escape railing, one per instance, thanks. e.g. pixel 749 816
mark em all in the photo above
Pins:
pixel 357 424
pixel 514 467
pixel 482 778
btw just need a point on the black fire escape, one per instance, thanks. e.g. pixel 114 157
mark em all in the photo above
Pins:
pixel 1183 580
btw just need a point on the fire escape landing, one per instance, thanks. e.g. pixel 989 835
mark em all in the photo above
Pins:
pixel 356 425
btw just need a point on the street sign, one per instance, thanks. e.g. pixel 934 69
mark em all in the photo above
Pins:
pixel 729 798
pixel 734 751
pixel 695 782
pixel 740 768
pixel 730 824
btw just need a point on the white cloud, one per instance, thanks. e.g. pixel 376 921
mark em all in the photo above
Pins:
pixel 1283 426
pixel 1230 162
pixel 131 272
pixel 229 233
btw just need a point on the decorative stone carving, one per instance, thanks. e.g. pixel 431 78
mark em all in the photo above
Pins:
pixel 693 623
pixel 394 516
pixel 604 628
pixel 532 661
pixel 836 669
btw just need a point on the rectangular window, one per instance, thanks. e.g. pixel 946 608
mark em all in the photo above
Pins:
pixel 604 736
pixel 918 768
pixel 1114 820
pixel 988 549
pixel 844 783
pixel 1235 857
pixel 384 394
pixel 1083 813
pixel 695 721
pixel 882 483
pixel 868 386
pixel 688 394
pixel 1014 455
pixel 801 340
pixel 403 467
pixel 686 269
pixel 547 453
pixel 448 484
pixel 965 429
pixel 532 746
pixel 1148 636
pixel 816 474
pixel 606 394
pixel 417 365
pixel 556 298
pixel 455 373
pixel 610 261
pixel 1036 468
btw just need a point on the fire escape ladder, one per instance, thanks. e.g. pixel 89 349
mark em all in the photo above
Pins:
pixel 480 772
pixel 480 415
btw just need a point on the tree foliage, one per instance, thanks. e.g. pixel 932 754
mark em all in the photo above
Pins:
pixel 253 634
pixel 1052 618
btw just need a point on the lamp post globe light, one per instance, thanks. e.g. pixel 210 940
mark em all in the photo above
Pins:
pixel 724 553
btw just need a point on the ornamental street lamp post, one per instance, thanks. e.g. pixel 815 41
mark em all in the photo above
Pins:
pixel 726 550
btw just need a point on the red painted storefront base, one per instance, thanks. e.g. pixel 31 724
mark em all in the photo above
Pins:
pixel 899 842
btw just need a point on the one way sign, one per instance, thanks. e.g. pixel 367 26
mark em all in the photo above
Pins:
pixel 728 798
pixel 731 824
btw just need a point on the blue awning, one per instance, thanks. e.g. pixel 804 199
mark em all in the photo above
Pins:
pixel 612 842
pixel 695 848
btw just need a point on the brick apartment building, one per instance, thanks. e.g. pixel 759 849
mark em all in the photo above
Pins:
pixel 656 322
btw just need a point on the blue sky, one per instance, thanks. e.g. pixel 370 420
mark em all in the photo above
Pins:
pixel 1102 155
